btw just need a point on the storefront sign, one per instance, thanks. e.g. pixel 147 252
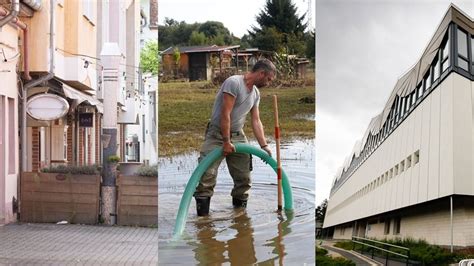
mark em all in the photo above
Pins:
pixel 47 107
pixel 86 119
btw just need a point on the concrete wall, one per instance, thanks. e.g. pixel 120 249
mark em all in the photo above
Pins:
pixel 423 225
pixel 440 130
pixel 9 142
pixel 343 232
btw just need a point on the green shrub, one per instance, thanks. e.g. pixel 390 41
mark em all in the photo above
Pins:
pixel 148 170
pixel 73 169
pixel 323 260
pixel 113 159
pixel 347 245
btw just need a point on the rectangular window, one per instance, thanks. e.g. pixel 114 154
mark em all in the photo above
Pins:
pixel 396 226
pixel 416 158
pixel 396 170
pixel 409 162
pixel 427 81
pixel 419 91
pixel 402 166
pixel 386 230
pixel 11 136
pixel 462 49
pixel 413 98
pixel 445 63
pixel 403 106
pixel 435 67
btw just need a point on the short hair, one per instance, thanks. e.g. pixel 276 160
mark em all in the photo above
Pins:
pixel 264 64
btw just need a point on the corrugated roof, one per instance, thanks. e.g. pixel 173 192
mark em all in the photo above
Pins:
pixel 199 49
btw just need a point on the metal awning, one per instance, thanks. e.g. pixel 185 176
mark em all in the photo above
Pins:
pixel 81 97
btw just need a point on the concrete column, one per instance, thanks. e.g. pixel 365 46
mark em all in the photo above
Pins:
pixel 110 58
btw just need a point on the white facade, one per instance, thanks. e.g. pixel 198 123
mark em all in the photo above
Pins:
pixel 9 141
pixel 419 151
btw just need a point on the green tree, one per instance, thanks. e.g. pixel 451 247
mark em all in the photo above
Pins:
pixel 310 45
pixel 174 33
pixel 197 38
pixel 149 57
pixel 321 211
pixel 279 18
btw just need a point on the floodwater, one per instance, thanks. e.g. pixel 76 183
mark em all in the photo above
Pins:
pixel 258 234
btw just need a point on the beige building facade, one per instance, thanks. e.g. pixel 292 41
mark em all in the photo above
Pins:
pixel 417 155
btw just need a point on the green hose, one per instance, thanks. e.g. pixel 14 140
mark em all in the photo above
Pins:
pixel 206 163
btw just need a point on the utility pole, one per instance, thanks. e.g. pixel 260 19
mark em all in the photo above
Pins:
pixel 110 57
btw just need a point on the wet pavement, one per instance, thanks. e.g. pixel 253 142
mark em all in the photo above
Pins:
pixel 240 237
pixel 51 244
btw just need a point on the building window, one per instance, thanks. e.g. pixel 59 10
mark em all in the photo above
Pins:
pixel 396 226
pixel 402 166
pixel 416 157
pixel 386 230
pixel 472 53
pixel 435 67
pixel 427 81
pixel 462 50
pixel 445 54
pixel 409 162
pixel 419 91
pixel 413 98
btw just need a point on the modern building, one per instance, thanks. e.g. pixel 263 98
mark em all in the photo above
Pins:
pixel 412 174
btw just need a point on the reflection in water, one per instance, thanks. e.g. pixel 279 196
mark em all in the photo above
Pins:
pixel 240 248
pixel 255 235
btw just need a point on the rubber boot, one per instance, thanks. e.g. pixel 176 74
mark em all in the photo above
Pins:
pixel 202 205
pixel 238 203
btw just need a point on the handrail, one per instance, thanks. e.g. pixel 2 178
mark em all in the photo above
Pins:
pixel 379 242
pixel 407 256
pixel 379 248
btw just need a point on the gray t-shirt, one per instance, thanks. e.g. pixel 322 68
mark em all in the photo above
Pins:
pixel 245 100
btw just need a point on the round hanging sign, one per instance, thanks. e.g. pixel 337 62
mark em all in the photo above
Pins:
pixel 47 107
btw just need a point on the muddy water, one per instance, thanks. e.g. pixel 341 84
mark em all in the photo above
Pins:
pixel 240 237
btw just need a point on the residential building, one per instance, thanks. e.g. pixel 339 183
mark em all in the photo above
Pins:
pixel 412 174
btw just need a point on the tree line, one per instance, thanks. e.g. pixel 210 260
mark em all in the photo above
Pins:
pixel 279 29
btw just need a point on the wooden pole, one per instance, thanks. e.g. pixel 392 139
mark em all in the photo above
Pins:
pixel 277 140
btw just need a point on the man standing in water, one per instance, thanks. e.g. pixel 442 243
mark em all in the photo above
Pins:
pixel 237 96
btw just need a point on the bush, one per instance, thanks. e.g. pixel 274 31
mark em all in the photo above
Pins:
pixel 147 170
pixel 113 159
pixel 73 169
pixel 347 245
pixel 323 260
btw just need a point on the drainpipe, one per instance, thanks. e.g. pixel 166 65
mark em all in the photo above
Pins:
pixel 15 10
pixel 33 83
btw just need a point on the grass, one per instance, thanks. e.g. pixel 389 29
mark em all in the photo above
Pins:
pixel 323 259
pixel 185 109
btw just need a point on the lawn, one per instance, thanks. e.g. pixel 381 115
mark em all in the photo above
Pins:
pixel 185 109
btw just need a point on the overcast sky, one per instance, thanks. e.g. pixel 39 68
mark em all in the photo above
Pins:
pixel 362 48
pixel 237 16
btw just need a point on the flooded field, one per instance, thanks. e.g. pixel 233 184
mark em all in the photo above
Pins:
pixel 256 235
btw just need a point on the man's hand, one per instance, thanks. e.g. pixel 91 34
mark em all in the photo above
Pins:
pixel 228 148
pixel 267 150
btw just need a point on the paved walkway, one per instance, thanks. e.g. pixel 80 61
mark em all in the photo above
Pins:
pixel 358 259
pixel 51 244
